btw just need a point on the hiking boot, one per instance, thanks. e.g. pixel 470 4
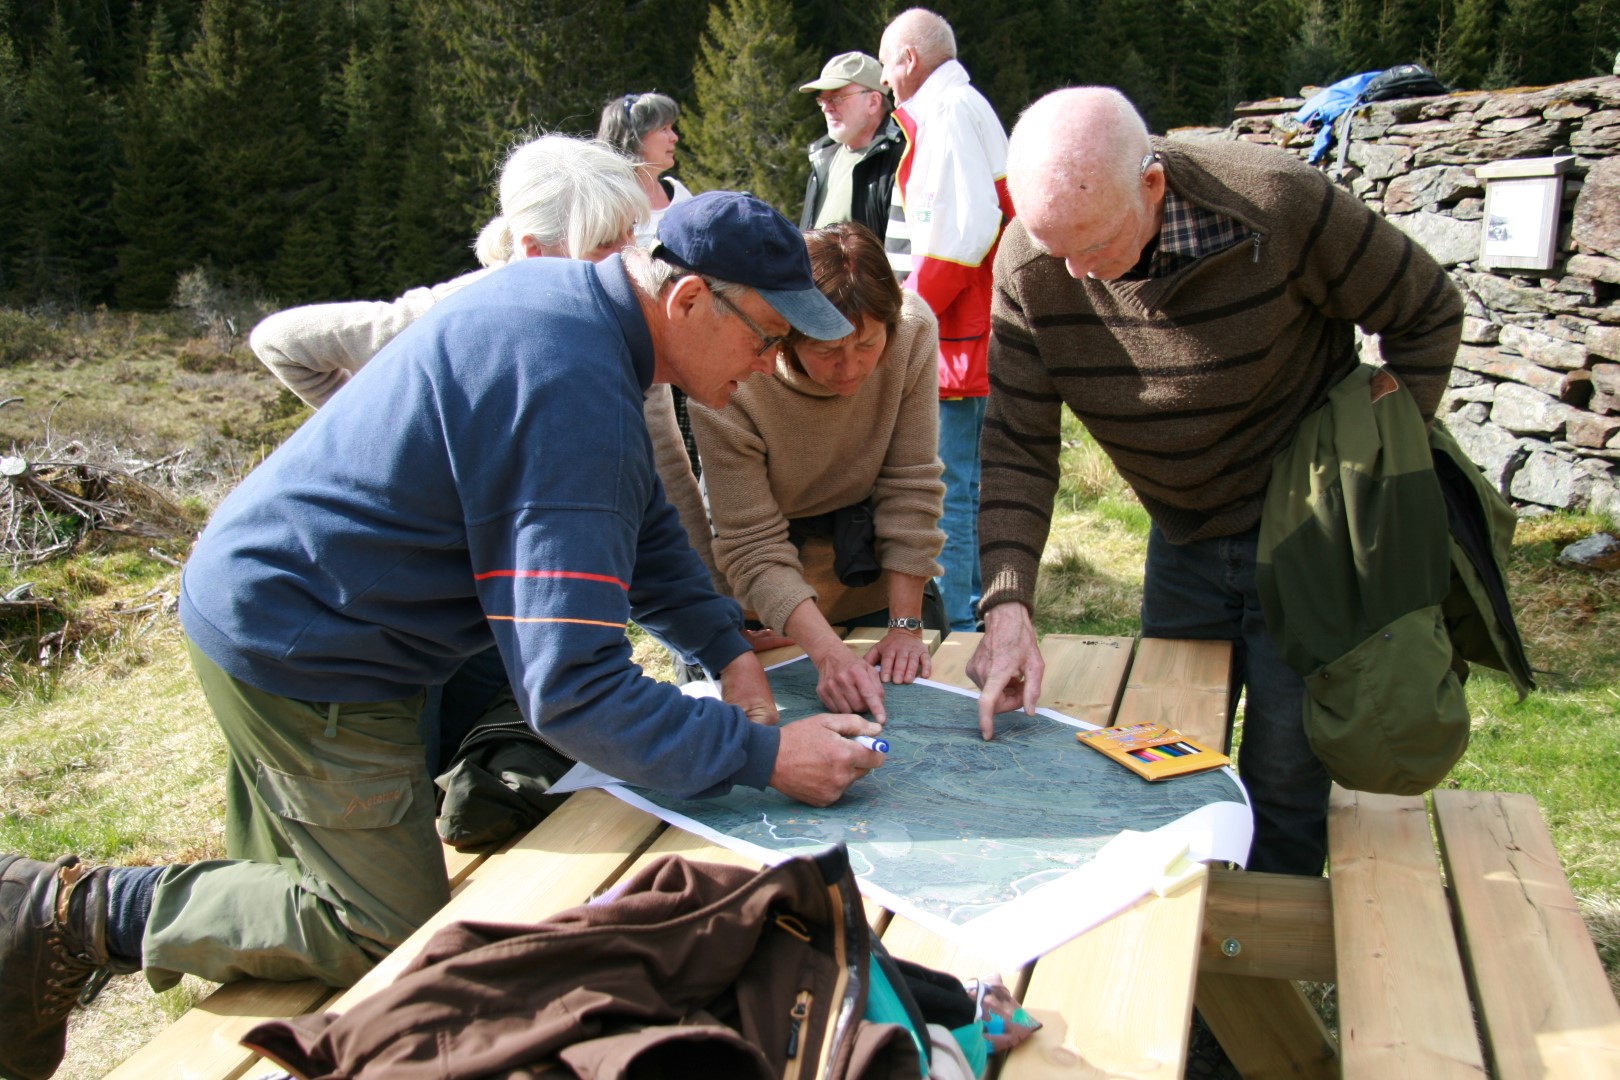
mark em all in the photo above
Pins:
pixel 51 955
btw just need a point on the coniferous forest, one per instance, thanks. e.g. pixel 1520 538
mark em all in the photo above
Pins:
pixel 324 149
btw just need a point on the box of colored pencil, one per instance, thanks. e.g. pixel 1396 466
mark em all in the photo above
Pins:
pixel 1153 751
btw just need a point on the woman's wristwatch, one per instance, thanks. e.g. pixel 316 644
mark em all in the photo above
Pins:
pixel 905 624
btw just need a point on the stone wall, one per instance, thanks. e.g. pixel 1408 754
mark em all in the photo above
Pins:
pixel 1535 395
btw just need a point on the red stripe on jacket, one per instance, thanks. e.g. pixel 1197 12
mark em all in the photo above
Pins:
pixel 575 574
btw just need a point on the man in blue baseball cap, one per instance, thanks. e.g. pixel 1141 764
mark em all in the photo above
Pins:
pixel 493 482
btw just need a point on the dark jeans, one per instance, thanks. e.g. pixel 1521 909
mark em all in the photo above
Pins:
pixel 1206 590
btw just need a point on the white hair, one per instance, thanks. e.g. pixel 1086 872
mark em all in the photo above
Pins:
pixel 928 33
pixel 568 193
pixel 655 273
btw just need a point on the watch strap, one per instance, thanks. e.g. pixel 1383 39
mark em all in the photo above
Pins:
pixel 905 624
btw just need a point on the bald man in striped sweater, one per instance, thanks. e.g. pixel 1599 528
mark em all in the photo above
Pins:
pixel 1191 301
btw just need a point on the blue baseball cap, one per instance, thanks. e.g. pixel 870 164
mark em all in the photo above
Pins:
pixel 732 236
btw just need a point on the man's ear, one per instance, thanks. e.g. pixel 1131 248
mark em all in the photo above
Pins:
pixel 681 298
pixel 1154 179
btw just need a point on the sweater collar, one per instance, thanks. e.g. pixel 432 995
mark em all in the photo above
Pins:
pixel 621 297
pixel 1191 182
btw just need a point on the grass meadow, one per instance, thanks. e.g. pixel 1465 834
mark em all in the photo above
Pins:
pixel 108 750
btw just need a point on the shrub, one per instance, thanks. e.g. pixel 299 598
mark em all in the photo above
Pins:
pixel 25 337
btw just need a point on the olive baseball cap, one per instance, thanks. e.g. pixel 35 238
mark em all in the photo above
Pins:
pixel 845 69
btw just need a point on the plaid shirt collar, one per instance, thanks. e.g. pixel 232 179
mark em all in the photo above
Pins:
pixel 1188 233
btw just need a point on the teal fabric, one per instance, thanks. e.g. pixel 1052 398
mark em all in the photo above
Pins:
pixel 883 1007
pixel 970 1037
pixel 1370 596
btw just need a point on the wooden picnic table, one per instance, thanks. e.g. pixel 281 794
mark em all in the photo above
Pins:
pixel 1115 1002
pixel 1518 984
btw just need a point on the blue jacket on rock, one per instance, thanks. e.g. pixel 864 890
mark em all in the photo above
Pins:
pixel 490 474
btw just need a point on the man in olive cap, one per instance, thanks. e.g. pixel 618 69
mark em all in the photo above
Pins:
pixel 852 167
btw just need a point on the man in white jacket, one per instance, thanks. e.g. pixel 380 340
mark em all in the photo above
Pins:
pixel 952 189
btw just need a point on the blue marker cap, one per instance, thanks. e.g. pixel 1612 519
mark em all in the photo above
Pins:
pixel 880 745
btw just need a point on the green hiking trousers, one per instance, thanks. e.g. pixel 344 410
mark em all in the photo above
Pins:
pixel 333 857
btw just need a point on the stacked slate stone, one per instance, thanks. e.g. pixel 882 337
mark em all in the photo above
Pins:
pixel 1535 396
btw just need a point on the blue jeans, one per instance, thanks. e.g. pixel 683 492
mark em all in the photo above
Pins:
pixel 960 421
pixel 1206 590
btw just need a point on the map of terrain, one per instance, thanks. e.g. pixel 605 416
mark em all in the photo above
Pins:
pixel 951 825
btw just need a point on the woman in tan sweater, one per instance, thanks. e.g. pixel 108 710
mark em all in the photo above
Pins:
pixel 843 425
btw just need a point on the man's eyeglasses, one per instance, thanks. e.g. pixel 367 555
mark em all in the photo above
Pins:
pixel 828 101
pixel 766 341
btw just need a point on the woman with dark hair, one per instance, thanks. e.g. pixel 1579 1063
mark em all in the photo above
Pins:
pixel 642 128
pixel 824 481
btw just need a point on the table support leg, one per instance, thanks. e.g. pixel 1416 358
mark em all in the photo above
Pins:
pixel 1267 1027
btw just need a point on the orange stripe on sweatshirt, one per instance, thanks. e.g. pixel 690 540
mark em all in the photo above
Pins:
pixel 581 622
pixel 575 574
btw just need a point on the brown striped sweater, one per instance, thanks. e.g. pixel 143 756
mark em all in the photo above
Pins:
pixel 1194 382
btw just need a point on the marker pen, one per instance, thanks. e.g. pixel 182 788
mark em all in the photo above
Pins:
pixel 880 745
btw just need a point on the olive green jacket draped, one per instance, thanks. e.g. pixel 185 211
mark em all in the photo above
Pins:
pixel 1381 573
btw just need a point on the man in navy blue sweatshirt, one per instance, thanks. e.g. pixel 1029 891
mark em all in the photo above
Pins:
pixel 493 479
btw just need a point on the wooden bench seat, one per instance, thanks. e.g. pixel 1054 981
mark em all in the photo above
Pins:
pixel 1472 961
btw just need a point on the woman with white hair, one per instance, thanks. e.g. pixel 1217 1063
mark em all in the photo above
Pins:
pixel 561 197
pixel 642 128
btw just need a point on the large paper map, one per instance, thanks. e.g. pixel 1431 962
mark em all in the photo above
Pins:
pixel 989 843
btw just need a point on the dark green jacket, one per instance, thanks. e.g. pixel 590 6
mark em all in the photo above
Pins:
pixel 1381 560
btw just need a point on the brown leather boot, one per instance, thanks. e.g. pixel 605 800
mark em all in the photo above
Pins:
pixel 53 953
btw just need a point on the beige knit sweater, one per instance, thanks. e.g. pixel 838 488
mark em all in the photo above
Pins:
pixel 1193 383
pixel 787 448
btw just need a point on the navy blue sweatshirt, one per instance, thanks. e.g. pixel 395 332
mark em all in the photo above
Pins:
pixel 488 473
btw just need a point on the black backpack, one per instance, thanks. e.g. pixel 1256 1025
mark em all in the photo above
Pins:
pixel 1403 81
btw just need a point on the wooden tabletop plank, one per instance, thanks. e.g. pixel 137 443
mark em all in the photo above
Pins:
pixel 1392 929
pixel 202 1044
pixel 562 862
pixel 951 659
pixel 1117 1000
pixel 1545 1003
pixel 862 638
pixel 1185 684
pixel 1085 675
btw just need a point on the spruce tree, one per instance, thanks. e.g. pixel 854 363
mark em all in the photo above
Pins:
pixel 430 244
pixel 1313 56
pixel 1597 41
pixel 497 71
pixel 251 91
pixel 375 110
pixel 660 38
pixel 752 124
pixel 11 174
pixel 310 267
pixel 1468 46
pixel 153 196
pixel 65 153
